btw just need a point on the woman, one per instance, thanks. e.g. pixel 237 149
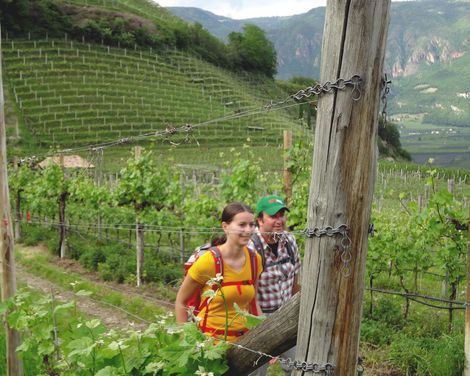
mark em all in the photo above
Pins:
pixel 217 316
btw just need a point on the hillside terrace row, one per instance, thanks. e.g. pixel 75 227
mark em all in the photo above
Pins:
pixel 65 100
pixel 168 59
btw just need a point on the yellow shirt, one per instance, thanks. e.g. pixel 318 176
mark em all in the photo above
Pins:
pixel 203 270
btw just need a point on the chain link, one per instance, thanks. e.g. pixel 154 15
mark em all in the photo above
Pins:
pixel 327 87
pixel 342 230
pixel 360 367
pixel 328 368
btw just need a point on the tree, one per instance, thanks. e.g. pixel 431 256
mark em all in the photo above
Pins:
pixel 252 51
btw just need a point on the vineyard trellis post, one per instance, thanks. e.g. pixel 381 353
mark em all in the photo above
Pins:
pixel 14 365
pixel 62 220
pixel 287 172
pixel 17 205
pixel 139 233
pixel 342 185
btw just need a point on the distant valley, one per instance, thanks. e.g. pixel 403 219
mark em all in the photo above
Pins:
pixel 427 58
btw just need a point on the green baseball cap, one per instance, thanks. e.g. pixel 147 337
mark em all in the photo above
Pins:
pixel 270 205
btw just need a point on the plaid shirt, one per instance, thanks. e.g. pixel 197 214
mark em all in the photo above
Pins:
pixel 276 281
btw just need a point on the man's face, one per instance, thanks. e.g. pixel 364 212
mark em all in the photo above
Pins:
pixel 272 223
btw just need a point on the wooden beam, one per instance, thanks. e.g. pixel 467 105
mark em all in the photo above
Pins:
pixel 342 185
pixel 273 336
pixel 7 244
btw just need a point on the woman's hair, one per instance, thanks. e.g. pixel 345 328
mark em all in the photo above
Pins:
pixel 229 212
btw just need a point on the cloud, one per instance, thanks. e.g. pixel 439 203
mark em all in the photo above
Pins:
pixel 240 9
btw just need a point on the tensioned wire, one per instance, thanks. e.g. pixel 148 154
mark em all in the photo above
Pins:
pixel 147 228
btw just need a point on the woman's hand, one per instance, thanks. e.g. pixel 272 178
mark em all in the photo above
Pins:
pixel 186 291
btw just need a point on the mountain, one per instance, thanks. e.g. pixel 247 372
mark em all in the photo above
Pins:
pixel 427 58
pixel 420 32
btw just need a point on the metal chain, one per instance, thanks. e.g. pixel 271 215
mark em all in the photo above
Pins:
pixel 329 231
pixel 328 368
pixel 385 91
pixel 360 367
pixel 327 87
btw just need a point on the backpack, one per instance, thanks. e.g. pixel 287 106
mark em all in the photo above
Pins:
pixel 260 249
pixel 195 300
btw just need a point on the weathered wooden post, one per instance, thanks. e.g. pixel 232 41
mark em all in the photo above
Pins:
pixel 339 207
pixel 17 205
pixel 62 220
pixel 341 190
pixel 286 171
pixel 139 234
pixel 14 366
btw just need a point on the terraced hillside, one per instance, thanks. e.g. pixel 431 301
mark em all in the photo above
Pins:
pixel 72 93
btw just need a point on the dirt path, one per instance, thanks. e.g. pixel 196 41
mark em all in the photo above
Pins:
pixel 111 316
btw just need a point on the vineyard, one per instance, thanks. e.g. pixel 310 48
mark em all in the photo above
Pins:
pixel 415 267
pixel 139 200
pixel 71 93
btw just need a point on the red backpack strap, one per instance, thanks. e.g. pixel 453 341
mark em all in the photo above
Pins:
pixel 253 264
pixel 219 268
pixel 254 277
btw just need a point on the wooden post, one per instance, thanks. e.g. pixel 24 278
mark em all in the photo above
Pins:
pixel 341 193
pixel 451 185
pixel 287 173
pixel 139 234
pixel 420 203
pixel 17 206
pixel 14 366
pixel 467 309
pixel 62 224
pixel 342 186
pixel 183 258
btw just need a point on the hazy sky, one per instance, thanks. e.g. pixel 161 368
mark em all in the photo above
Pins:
pixel 240 9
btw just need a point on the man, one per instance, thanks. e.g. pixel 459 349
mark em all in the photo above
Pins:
pixel 281 262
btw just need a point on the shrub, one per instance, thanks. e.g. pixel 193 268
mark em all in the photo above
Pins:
pixel 33 235
pixel 91 257
pixel 375 332
pixel 117 267
pixel 388 311
pixel 157 271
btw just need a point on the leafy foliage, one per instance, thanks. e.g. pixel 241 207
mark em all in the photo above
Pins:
pixel 252 51
pixel 142 185
pixel 389 140
pixel 63 342
pixel 157 29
